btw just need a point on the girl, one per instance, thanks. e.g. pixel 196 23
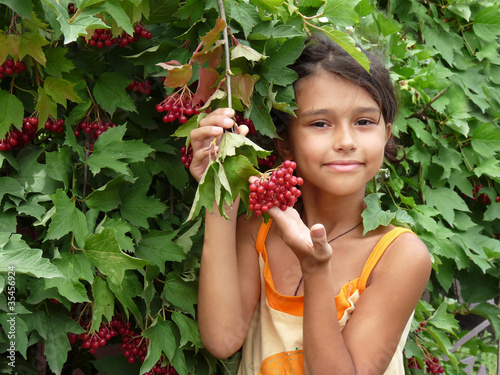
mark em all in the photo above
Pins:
pixel 308 293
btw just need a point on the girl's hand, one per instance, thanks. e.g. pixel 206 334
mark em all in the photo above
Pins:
pixel 211 127
pixel 309 245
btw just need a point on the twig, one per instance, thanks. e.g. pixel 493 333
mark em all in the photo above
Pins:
pixel 420 114
pixel 226 52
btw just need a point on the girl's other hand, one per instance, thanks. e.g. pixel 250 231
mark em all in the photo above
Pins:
pixel 309 245
pixel 212 126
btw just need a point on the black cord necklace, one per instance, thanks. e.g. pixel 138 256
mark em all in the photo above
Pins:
pixel 333 239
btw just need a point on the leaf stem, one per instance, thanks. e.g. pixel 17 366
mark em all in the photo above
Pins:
pixel 420 114
pixel 226 52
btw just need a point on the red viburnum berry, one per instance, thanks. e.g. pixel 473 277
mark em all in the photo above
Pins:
pixel 275 188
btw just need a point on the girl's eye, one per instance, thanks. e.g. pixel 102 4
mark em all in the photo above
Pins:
pixel 365 122
pixel 319 124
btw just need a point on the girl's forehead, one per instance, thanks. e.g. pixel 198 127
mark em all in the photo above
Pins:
pixel 328 89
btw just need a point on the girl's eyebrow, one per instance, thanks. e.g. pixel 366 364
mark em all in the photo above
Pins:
pixel 322 111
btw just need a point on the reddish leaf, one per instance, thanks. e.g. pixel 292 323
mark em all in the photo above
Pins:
pixel 213 35
pixel 206 85
pixel 213 56
pixel 242 87
pixel 178 75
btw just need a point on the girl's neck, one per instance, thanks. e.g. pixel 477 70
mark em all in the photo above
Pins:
pixel 334 213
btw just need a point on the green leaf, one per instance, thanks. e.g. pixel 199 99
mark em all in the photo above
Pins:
pixel 67 218
pixel 388 26
pixel 10 186
pixel 11 112
pixel 246 15
pixel 111 151
pixel 115 10
pixel 20 332
pixel 31 43
pixel 103 304
pixel 490 312
pixel 341 12
pixel 238 170
pixel 21 7
pixel 181 293
pixel 188 328
pixel 57 344
pixel 109 92
pixel 122 228
pixel 59 165
pixel 348 44
pixel 79 26
pixel 158 247
pixel 103 252
pixel 486 140
pixel 130 288
pixel 487 22
pixel 184 241
pixel 271 6
pixel 107 197
pixel 45 106
pixel 373 215
pixel 74 267
pixel 446 201
pixel 60 90
pixel 15 252
pixel 57 63
pixel 441 319
pixel 137 207
pixel 162 340
pixel 490 167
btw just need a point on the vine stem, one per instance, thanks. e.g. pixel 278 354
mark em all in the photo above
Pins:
pixel 226 53
pixel 419 114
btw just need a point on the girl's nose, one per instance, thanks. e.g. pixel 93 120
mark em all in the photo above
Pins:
pixel 345 138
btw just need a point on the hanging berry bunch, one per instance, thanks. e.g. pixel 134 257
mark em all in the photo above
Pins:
pixel 93 129
pixel 186 156
pixel 105 38
pixel 178 106
pixel 10 67
pixel 142 87
pixel 483 197
pixel 275 188
pixel 55 126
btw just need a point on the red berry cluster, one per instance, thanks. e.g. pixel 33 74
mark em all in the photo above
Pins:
pixel 143 87
pixel 104 37
pixel 56 126
pixel 18 138
pixel 245 121
pixel 71 8
pixel 268 161
pixel 94 129
pixel 10 67
pixel 483 198
pixel 433 366
pixel 178 106
pixel 421 327
pixel 134 345
pixel 186 156
pixel 275 188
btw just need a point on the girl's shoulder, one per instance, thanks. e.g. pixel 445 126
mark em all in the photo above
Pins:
pixel 405 251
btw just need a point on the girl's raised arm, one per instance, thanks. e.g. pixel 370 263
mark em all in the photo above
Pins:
pixel 229 275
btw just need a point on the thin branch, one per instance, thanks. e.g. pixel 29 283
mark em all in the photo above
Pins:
pixel 420 114
pixel 226 52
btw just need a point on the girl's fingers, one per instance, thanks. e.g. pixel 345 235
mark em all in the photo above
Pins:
pixel 322 249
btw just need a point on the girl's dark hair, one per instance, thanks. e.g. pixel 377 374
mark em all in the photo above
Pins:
pixel 322 53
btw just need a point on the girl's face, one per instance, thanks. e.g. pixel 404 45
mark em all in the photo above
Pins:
pixel 338 136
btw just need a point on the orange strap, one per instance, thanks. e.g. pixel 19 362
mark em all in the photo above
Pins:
pixel 377 253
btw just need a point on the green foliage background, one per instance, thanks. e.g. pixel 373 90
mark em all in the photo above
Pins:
pixel 106 228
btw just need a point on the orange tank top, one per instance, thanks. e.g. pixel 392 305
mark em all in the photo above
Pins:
pixel 274 341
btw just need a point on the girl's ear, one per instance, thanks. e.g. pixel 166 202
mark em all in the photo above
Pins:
pixel 388 131
pixel 283 147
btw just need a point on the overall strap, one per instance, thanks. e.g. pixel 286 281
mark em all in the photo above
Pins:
pixel 377 253
pixel 260 243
